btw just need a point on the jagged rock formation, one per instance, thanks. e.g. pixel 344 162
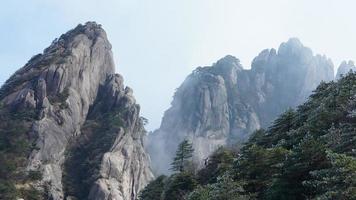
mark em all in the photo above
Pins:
pixel 80 105
pixel 345 68
pixel 223 104
pixel 307 153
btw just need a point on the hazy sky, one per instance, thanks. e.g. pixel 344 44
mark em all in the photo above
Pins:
pixel 157 43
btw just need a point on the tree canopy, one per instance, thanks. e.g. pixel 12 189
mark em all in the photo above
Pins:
pixel 183 156
pixel 307 153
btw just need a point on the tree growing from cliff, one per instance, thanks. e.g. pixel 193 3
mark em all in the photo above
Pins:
pixel 183 156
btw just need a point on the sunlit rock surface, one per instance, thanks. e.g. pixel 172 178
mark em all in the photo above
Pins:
pixel 64 85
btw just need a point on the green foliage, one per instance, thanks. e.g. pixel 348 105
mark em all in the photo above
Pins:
pixel 224 189
pixel 258 165
pixel 200 193
pixel 7 190
pixel 179 186
pixel 322 124
pixel 176 187
pixel 218 163
pixel 279 133
pixel 15 147
pixel 30 193
pixel 144 120
pixel 307 153
pixel 258 138
pixel 343 138
pixel 85 155
pixel 336 182
pixel 183 156
pixel 11 85
pixel 212 182
pixel 307 156
pixel 154 190
pixel 34 175
pixel 60 99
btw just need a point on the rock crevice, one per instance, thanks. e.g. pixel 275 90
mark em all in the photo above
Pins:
pixel 223 104
pixel 66 86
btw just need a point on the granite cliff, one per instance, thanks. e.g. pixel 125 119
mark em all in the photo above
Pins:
pixel 69 127
pixel 223 104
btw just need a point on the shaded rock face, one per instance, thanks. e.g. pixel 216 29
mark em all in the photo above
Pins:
pixel 223 104
pixel 73 83
pixel 345 68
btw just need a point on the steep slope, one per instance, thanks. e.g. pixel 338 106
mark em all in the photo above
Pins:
pixel 223 104
pixel 315 144
pixel 56 96
pixel 307 153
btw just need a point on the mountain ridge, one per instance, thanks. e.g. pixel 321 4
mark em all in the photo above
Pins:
pixel 306 153
pixel 62 87
pixel 224 103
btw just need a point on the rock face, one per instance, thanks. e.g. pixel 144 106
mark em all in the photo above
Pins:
pixel 345 68
pixel 223 104
pixel 72 86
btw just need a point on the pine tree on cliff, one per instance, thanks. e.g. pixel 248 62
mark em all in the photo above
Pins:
pixel 183 155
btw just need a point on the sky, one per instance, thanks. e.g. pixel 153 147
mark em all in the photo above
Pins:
pixel 157 43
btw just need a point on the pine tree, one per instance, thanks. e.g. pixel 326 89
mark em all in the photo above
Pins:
pixel 219 162
pixel 309 155
pixel 183 156
pixel 336 182
pixel 257 166
pixel 225 188
pixel 278 133
pixel 154 190
pixel 343 138
pixel 179 186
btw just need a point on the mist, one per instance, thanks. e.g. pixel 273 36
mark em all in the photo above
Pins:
pixel 156 44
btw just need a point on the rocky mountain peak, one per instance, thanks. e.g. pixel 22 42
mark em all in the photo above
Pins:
pixel 91 30
pixel 294 48
pixel 87 41
pixel 292 44
pixel 264 57
pixel 223 104
pixel 345 67
pixel 228 60
pixel 83 124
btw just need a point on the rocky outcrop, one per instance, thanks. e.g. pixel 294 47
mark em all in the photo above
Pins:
pixel 345 68
pixel 66 86
pixel 124 168
pixel 223 104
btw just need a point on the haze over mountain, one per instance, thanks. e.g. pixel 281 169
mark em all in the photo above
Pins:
pixel 223 104
pixel 307 153
pixel 345 68
pixel 160 41
pixel 69 128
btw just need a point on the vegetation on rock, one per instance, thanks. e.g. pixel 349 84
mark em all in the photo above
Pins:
pixel 16 145
pixel 307 153
pixel 182 160
pixel 84 157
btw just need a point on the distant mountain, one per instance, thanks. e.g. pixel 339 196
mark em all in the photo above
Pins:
pixel 223 104
pixel 69 128
pixel 345 68
pixel 306 153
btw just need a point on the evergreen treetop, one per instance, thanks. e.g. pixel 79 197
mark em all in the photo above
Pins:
pixel 184 154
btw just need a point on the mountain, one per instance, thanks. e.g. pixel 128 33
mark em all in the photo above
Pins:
pixel 223 104
pixel 306 153
pixel 69 128
pixel 345 68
